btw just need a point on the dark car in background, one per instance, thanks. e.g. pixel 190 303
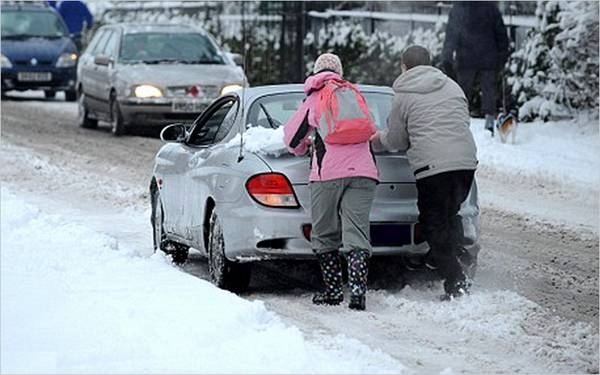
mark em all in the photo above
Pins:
pixel 38 52
pixel 151 75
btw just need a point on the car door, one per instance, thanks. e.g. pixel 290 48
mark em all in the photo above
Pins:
pixel 86 67
pixel 94 89
pixel 105 65
pixel 196 173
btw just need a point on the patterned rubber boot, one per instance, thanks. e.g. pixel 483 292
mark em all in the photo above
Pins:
pixel 332 278
pixel 358 268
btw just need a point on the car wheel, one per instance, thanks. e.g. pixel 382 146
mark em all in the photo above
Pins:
pixel 49 94
pixel 178 252
pixel 117 127
pixel 224 273
pixel 70 95
pixel 83 114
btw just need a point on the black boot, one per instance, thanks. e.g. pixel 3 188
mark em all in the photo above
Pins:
pixel 332 278
pixel 358 268
pixel 468 263
pixel 455 288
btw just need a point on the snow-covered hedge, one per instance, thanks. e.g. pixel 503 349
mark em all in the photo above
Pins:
pixel 371 59
pixel 556 69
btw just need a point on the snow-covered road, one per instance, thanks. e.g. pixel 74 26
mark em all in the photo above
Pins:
pixel 82 291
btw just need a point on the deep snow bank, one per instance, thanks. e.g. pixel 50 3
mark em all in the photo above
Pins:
pixel 567 152
pixel 74 300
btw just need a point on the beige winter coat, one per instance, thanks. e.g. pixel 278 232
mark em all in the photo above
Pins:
pixel 430 120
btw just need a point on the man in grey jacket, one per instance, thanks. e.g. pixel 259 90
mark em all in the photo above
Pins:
pixel 430 120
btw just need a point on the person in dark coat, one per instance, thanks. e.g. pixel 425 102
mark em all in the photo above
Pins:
pixel 476 44
pixel 76 15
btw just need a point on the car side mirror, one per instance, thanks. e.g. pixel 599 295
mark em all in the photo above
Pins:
pixel 174 133
pixel 103 60
pixel 237 58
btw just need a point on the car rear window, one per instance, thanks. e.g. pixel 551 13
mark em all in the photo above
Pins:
pixel 274 110
pixel 188 48
pixel 23 23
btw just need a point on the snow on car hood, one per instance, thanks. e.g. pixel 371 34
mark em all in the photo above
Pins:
pixel 180 74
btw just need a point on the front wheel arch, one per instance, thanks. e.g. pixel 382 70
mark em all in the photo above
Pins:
pixel 178 252
pixel 117 124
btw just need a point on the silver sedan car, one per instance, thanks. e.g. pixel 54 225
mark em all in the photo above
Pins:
pixel 151 75
pixel 213 190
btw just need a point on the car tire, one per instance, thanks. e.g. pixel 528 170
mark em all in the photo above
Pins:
pixel 70 95
pixel 83 118
pixel 117 126
pixel 178 252
pixel 224 273
pixel 49 94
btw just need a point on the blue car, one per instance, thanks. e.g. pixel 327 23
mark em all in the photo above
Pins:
pixel 38 52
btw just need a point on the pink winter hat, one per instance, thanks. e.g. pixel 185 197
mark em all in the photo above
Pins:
pixel 328 61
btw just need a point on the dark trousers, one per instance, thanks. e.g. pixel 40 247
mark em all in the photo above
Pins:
pixel 487 79
pixel 439 200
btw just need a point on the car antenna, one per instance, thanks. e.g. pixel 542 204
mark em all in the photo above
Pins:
pixel 245 83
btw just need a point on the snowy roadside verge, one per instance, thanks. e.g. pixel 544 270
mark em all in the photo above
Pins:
pixel 75 300
pixel 551 174
pixel 566 152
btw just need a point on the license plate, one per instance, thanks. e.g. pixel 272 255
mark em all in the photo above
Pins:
pixel 187 106
pixel 34 76
pixel 384 234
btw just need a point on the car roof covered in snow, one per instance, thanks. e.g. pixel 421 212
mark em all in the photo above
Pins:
pixel 27 6
pixel 252 93
pixel 134 28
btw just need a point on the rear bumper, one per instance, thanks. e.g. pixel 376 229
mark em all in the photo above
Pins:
pixel 154 113
pixel 63 79
pixel 253 235
pixel 253 232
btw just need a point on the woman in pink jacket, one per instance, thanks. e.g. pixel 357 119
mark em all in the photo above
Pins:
pixel 343 177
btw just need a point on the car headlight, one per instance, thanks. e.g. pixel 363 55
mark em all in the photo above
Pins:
pixel 230 88
pixel 147 91
pixel 66 60
pixel 5 62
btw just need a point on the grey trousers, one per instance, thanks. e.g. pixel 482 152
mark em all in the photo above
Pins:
pixel 487 79
pixel 340 214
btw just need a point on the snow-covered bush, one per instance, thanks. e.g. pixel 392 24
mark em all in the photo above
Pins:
pixel 349 41
pixel 575 54
pixel 556 69
pixel 369 59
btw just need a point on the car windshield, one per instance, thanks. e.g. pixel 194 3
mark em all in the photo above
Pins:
pixel 27 24
pixel 274 110
pixel 160 48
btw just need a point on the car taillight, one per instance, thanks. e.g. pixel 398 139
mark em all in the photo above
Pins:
pixel 272 189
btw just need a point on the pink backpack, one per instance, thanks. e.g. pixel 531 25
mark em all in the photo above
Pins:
pixel 344 116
